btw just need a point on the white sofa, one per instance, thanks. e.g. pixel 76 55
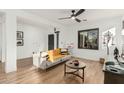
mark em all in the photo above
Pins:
pixel 42 63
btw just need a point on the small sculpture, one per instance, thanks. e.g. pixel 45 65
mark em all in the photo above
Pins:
pixel 108 39
pixel 76 62
pixel 116 54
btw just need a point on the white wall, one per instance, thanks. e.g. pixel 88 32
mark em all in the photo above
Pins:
pixel 62 35
pixel 72 36
pixel 0 42
pixel 0 38
pixel 10 30
pixel 34 40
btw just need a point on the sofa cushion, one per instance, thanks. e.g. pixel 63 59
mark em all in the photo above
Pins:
pixel 50 54
pixel 58 50
pixel 56 58
pixel 44 54
pixel 54 54
pixel 64 51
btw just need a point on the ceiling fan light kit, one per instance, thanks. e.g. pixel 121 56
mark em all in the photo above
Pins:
pixel 74 15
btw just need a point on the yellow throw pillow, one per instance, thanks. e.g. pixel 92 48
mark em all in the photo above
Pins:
pixel 58 50
pixel 50 54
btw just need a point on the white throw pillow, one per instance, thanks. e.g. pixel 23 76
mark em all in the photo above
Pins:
pixel 44 54
pixel 64 49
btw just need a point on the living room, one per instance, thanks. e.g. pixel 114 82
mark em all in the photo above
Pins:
pixel 34 26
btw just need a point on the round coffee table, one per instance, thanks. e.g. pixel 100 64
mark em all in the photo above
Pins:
pixel 70 64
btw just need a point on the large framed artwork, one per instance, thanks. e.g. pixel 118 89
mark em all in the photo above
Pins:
pixel 88 39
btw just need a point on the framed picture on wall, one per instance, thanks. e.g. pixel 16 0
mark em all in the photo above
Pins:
pixel 88 39
pixel 20 42
pixel 20 35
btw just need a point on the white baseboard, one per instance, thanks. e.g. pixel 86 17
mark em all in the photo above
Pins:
pixel 24 58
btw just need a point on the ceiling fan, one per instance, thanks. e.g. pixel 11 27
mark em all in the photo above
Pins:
pixel 74 15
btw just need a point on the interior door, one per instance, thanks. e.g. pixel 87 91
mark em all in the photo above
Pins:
pixel 50 41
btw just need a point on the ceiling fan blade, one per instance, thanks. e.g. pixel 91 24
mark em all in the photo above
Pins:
pixel 64 18
pixel 79 12
pixel 77 20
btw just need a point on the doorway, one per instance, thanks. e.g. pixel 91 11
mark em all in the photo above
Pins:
pixel 50 41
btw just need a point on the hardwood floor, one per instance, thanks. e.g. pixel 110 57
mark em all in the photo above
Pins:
pixel 28 74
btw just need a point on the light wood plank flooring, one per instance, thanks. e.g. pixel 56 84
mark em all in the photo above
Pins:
pixel 28 74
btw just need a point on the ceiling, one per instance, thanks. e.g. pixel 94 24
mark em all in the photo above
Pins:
pixel 89 14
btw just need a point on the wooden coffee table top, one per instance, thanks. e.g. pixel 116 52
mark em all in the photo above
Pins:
pixel 70 64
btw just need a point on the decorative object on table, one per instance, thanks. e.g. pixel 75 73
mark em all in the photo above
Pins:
pixel 88 39
pixel 57 37
pixel 20 40
pixel 76 62
pixel 116 54
pixel 108 38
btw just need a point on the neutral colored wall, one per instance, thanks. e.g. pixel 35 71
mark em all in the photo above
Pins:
pixel 72 36
pixel 62 35
pixel 0 42
pixel 10 30
pixel 0 38
pixel 34 40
